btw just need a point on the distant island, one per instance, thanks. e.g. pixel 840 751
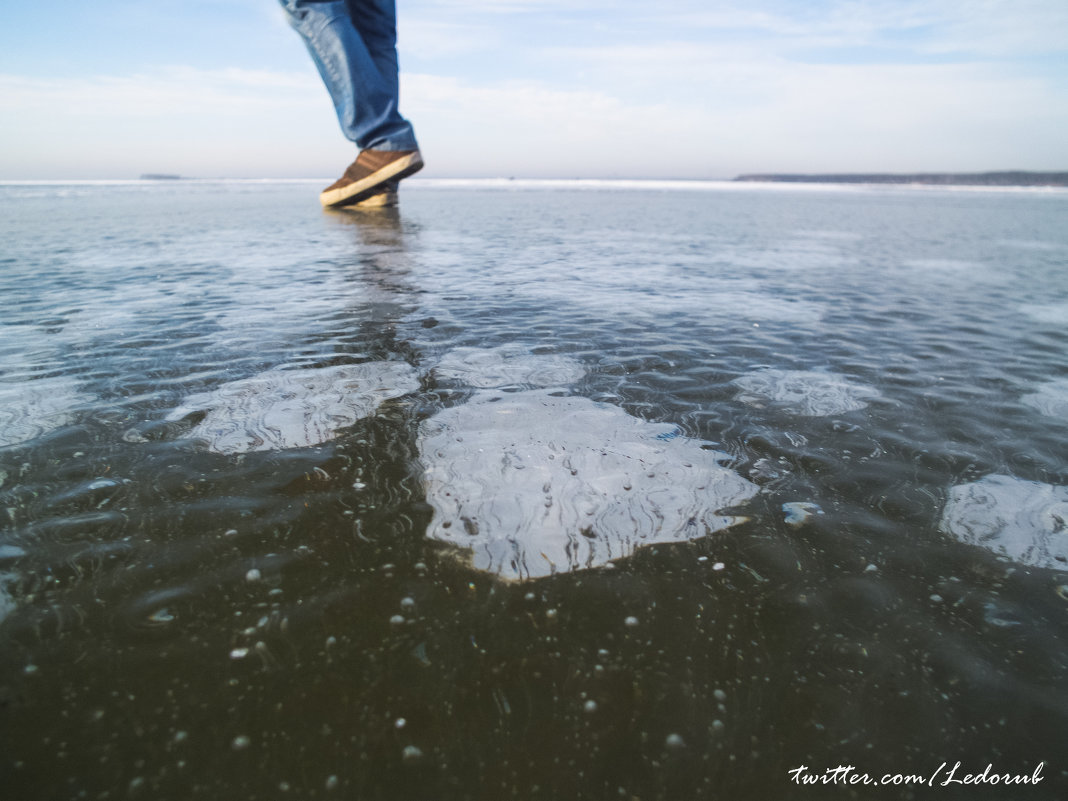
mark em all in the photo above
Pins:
pixel 159 176
pixel 1006 178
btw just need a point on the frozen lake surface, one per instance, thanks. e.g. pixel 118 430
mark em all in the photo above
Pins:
pixel 547 490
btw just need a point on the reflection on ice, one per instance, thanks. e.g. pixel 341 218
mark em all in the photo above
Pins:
pixel 506 365
pixel 800 392
pixel 533 483
pixel 1023 520
pixel 29 409
pixel 1051 399
pixel 281 409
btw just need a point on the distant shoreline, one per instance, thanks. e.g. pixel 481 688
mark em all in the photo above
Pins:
pixel 1054 183
pixel 1006 178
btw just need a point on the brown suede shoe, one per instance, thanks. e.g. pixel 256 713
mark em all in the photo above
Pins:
pixel 371 169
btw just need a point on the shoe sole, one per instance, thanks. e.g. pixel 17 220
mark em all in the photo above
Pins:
pixel 364 188
pixel 379 200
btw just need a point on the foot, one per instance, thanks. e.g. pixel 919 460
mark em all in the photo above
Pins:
pixel 366 176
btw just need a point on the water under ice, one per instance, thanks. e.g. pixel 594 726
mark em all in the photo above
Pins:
pixel 237 604
pixel 535 483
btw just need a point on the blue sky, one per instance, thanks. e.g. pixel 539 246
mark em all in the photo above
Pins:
pixel 545 88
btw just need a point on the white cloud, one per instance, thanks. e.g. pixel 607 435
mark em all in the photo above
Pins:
pixel 731 115
pixel 166 91
pixel 720 88
pixel 708 89
pixel 991 26
pixel 745 116
pixel 230 122
pixel 1004 28
pixel 478 8
pixel 435 39
pixel 524 127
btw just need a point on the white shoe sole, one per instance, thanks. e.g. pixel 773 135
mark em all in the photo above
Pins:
pixel 380 200
pixel 362 189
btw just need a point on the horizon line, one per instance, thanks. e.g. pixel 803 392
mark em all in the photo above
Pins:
pixel 771 181
pixel 166 177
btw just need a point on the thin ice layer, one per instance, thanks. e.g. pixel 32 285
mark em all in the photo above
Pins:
pixel 281 409
pixel 31 408
pixel 507 365
pixel 804 393
pixel 533 483
pixel 1051 399
pixel 1052 313
pixel 1023 520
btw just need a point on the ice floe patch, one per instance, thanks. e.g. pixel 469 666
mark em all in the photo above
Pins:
pixel 507 365
pixel 951 271
pixel 1023 520
pixel 809 251
pixel 1050 399
pixel 756 306
pixel 30 408
pixel 624 284
pixel 708 304
pixel 800 392
pixel 1052 313
pixel 840 236
pixel 281 409
pixel 960 266
pixel 534 483
pixel 1031 244
pixel 799 513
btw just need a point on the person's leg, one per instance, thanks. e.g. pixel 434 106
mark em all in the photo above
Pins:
pixel 376 22
pixel 359 73
pixel 358 63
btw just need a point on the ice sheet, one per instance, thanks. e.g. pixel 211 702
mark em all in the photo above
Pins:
pixel 535 483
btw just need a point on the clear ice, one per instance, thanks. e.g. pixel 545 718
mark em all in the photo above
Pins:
pixel 280 409
pixel 534 483
pixel 1022 520
pixel 804 393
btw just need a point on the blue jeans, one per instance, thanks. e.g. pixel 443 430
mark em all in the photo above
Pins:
pixel 354 45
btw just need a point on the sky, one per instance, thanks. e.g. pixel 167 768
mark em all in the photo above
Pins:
pixel 545 88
